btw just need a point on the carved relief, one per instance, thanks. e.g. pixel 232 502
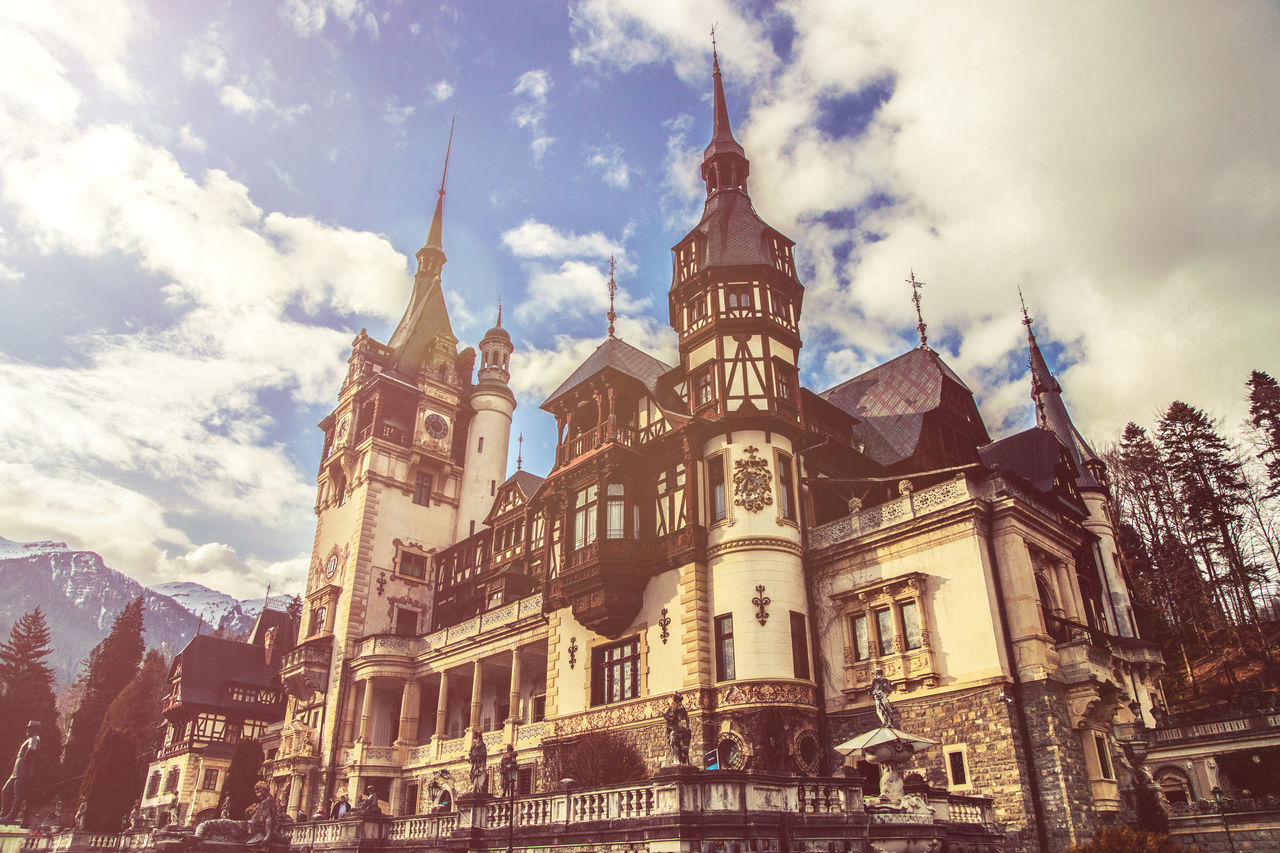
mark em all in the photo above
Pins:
pixel 752 482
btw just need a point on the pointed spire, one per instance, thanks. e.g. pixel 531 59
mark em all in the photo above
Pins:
pixel 915 297
pixel 499 324
pixel 437 219
pixel 613 289
pixel 520 452
pixel 724 162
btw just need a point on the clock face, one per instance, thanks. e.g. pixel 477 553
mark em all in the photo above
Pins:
pixel 437 427
pixel 331 567
pixel 343 426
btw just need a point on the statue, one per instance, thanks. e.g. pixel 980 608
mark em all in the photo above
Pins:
pixel 13 802
pixel 81 813
pixel 135 816
pixel 479 756
pixel 881 687
pixel 678 735
pixel 255 831
pixel 368 805
pixel 225 811
pixel 509 771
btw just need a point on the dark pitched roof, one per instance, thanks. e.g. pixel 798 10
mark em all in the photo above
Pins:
pixel 732 231
pixel 527 482
pixel 1032 454
pixel 891 400
pixel 208 663
pixel 618 355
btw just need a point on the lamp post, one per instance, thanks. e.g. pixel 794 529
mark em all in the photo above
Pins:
pixel 1220 799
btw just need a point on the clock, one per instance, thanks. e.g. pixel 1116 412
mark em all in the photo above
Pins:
pixel 331 567
pixel 437 427
pixel 343 426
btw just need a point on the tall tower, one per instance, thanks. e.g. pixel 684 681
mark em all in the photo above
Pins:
pixel 735 304
pixel 485 465
pixel 388 491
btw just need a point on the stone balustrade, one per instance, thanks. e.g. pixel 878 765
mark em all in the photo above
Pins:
pixel 894 511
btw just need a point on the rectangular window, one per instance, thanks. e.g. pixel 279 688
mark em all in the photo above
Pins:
pixel 616 672
pixel 737 299
pixel 538 709
pixel 799 645
pixel 1104 756
pixel 406 622
pixel 884 630
pixel 715 488
pixel 254 729
pixel 171 781
pixel 480 445
pixel 957 768
pixel 615 511
pixel 317 620
pixel 724 648
pixel 703 391
pixel 861 638
pixel 584 517
pixel 153 785
pixel 422 490
pixel 911 625
pixel 413 565
pixel 786 488
pixel 210 781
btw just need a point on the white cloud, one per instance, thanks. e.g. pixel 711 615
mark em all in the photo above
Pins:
pixel 188 139
pixel 206 57
pixel 442 91
pixel 534 239
pixel 238 100
pixel 609 161
pixel 531 113
pixel 307 18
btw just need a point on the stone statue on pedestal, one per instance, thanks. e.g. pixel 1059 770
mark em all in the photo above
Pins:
pixel 479 756
pixel 678 734
pixel 255 831
pixel 13 801
pixel 509 771
pixel 81 813
pixel 881 687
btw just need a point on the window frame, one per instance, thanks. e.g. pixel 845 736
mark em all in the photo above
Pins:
pixel 606 670
pixel 785 486
pixel 949 752
pixel 726 660
pixel 800 646
pixel 717 488
pixel 422 488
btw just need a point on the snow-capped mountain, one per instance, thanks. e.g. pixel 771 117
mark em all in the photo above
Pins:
pixel 81 596
pixel 217 608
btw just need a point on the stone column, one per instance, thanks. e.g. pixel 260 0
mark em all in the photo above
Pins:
pixel 476 679
pixel 295 794
pixel 1068 592
pixel 349 717
pixel 514 714
pixel 366 712
pixel 442 706
pixel 409 701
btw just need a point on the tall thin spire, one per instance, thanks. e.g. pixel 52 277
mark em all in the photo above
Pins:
pixel 520 452
pixel 437 219
pixel 613 289
pixel 499 312
pixel 1039 370
pixel 915 297
pixel 724 162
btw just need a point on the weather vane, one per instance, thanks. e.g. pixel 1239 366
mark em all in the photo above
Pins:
pixel 613 289
pixel 915 297
pixel 1026 318
pixel 713 40
pixel 520 452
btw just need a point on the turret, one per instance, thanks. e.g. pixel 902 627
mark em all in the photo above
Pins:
pixel 485 465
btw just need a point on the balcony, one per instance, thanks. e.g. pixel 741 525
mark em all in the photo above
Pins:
pixel 604 582
pixel 305 668
pixel 595 438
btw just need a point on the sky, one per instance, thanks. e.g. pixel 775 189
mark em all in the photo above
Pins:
pixel 202 203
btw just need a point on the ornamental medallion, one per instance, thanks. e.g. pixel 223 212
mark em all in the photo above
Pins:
pixel 751 482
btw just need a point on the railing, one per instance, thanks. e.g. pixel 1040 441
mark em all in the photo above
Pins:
pixel 422 828
pixel 314 652
pixel 969 809
pixel 1262 723
pixel 389 644
pixel 595 438
pixel 891 512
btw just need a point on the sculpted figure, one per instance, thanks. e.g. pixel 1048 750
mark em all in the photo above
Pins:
pixel 368 805
pixel 81 813
pixel 13 801
pixel 881 687
pixel 255 831
pixel 509 771
pixel 678 734
pixel 479 755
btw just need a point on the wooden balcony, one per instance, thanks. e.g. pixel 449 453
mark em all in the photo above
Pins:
pixel 604 582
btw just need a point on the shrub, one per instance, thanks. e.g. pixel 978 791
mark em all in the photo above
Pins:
pixel 595 758
pixel 1122 839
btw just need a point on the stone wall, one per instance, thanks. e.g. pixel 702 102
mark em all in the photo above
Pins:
pixel 1249 831
pixel 987 726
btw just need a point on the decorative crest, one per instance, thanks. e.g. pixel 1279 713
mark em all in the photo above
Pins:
pixel 613 289
pixel 752 482
pixel 915 298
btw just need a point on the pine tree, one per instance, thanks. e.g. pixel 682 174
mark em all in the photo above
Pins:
pixel 246 761
pixel 111 781
pixel 136 711
pixel 112 664
pixel 1264 415
pixel 1212 493
pixel 27 693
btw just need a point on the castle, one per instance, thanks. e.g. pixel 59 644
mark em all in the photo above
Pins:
pixel 715 529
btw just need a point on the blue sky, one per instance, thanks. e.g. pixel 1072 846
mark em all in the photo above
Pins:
pixel 200 204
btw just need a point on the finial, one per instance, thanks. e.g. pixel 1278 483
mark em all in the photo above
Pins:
pixel 499 312
pixel 715 59
pixel 447 151
pixel 1026 318
pixel 613 289
pixel 915 297
pixel 520 452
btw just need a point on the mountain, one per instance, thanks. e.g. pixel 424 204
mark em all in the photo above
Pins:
pixel 218 609
pixel 81 596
